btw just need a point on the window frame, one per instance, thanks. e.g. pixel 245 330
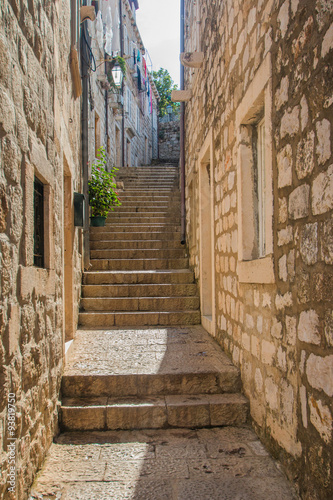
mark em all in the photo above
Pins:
pixel 255 264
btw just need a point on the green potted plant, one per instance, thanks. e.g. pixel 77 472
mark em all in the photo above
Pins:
pixel 102 194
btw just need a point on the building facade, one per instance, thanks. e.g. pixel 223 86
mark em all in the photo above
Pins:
pixel 123 120
pixel 40 249
pixel 259 184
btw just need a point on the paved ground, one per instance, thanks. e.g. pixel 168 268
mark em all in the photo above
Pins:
pixel 206 464
pixel 145 350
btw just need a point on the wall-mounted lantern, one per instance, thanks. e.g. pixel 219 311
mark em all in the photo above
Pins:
pixel 117 75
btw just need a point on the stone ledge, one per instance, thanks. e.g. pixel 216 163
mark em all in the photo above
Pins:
pixel 30 278
pixel 256 271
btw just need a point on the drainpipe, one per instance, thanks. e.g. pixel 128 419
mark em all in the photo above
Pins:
pixel 85 172
pixel 122 85
pixel 182 128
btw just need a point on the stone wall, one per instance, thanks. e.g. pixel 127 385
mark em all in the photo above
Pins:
pixel 169 140
pixel 39 137
pixel 273 315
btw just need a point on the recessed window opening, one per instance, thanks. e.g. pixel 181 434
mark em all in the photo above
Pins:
pixel 39 252
pixel 258 149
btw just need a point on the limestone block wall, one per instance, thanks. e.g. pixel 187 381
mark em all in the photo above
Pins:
pixel 169 140
pixel 39 137
pixel 272 312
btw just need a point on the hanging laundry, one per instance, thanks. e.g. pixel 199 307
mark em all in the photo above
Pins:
pixel 108 32
pixel 139 56
pixel 115 27
pixel 139 79
pixel 99 30
pixel 144 67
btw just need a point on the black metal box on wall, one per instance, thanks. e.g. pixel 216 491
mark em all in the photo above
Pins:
pixel 78 209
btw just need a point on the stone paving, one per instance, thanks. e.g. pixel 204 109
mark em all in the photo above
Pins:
pixel 173 464
pixel 124 351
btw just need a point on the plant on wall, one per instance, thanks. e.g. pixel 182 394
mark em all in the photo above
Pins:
pixel 102 194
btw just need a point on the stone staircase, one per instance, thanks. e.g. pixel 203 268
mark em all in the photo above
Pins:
pixel 141 360
pixel 140 274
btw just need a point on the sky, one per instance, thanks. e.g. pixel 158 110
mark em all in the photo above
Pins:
pixel 159 25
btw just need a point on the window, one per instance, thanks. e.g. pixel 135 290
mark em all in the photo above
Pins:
pixel 254 184
pixel 137 119
pixel 129 103
pixel 75 11
pixel 261 186
pixel 38 223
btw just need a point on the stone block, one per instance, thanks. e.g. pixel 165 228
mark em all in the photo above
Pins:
pixel 144 414
pixel 322 290
pixel 329 327
pixel 285 236
pixel 188 411
pixel 7 113
pixel 285 166
pixel 271 393
pixel 322 192
pixel 290 122
pixel 283 18
pixel 291 330
pixel 326 241
pixel 327 44
pixel 308 327
pixel 319 371
pixel 267 352
pixel 305 156
pixel 281 96
pixel 309 244
pixel 298 206
pixel 321 418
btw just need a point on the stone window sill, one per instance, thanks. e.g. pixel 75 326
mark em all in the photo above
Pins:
pixel 256 271
pixel 43 280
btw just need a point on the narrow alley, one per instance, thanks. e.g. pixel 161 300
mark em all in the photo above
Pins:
pixel 151 412
pixel 166 249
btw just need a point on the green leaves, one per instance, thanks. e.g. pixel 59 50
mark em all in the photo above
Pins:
pixel 165 86
pixel 102 194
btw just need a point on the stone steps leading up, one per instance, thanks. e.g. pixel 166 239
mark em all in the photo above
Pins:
pixel 97 319
pixel 138 253
pixel 137 264
pixel 150 378
pixel 135 244
pixel 200 410
pixel 133 304
pixel 139 277
pixel 147 290
pixel 141 360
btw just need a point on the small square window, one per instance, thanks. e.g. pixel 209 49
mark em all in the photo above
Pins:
pixel 39 250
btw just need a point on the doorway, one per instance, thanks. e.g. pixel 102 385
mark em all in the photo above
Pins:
pixel 68 238
pixel 206 222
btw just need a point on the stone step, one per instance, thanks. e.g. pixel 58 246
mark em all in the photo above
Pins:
pixel 147 290
pixel 105 234
pixel 137 264
pixel 182 276
pixel 138 319
pixel 139 218
pixel 133 253
pixel 142 227
pixel 132 304
pixel 154 197
pixel 144 209
pixel 184 411
pixel 139 244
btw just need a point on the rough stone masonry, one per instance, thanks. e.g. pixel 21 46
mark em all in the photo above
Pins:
pixel 267 62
